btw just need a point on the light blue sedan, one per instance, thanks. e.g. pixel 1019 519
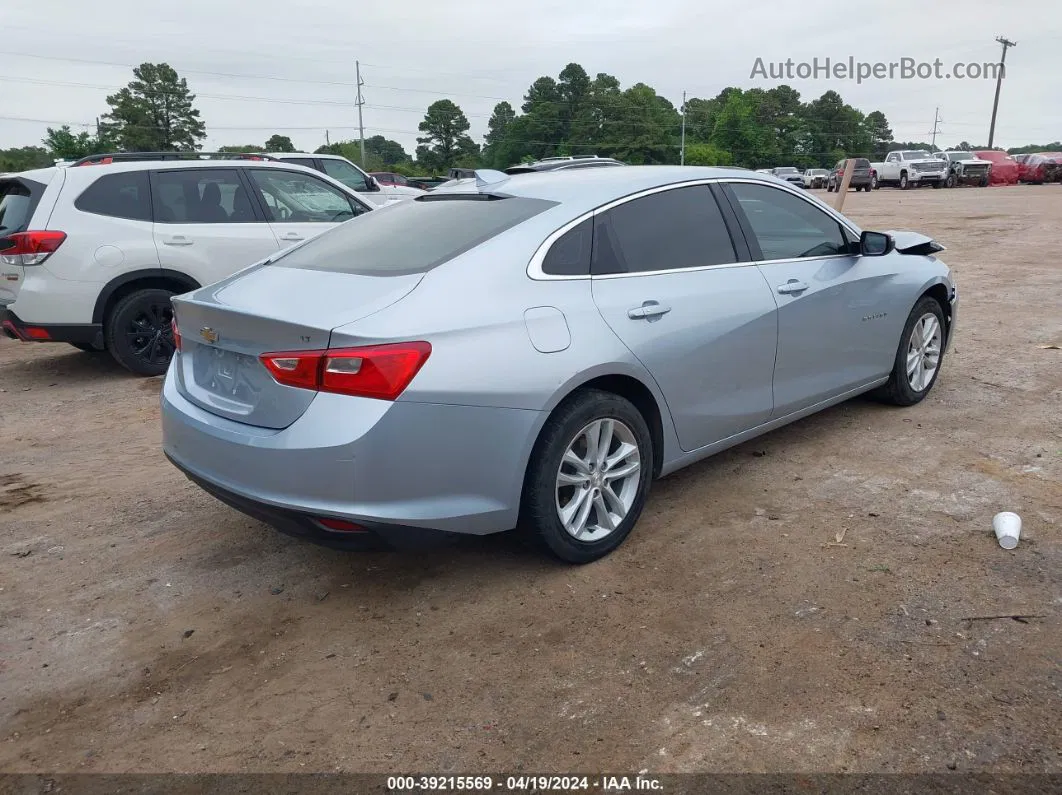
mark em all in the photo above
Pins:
pixel 533 350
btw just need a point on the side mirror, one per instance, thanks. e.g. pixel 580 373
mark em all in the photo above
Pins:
pixel 875 244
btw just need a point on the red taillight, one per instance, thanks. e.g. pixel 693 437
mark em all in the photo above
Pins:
pixel 29 248
pixel 340 525
pixel 176 335
pixel 375 371
pixel 36 333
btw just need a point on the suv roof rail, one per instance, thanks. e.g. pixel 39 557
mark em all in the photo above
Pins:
pixel 125 157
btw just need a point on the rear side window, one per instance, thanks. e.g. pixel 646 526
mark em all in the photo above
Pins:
pixel 679 228
pixel 411 236
pixel 570 254
pixel 118 196
pixel 17 203
pixel 301 161
pixel 202 196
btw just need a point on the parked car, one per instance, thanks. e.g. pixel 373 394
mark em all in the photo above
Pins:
pixel 816 177
pixel 383 397
pixel 790 175
pixel 965 168
pixel 1041 167
pixel 92 256
pixel 907 168
pixel 862 179
pixel 390 178
pixel 563 164
pixel 1004 167
pixel 350 175
pixel 427 183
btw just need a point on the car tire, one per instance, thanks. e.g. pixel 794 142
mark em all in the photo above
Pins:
pixel 984 182
pixel 950 181
pixel 138 331
pixel 85 347
pixel 904 182
pixel 563 467
pixel 908 384
pixel 873 181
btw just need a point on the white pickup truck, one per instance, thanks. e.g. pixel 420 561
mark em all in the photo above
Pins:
pixel 907 167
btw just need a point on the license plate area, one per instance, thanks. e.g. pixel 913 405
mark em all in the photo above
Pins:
pixel 227 374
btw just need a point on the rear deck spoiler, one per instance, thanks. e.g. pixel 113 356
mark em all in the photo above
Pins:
pixel 915 243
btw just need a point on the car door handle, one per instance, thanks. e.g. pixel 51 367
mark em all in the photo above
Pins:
pixel 792 287
pixel 292 236
pixel 649 310
pixel 177 240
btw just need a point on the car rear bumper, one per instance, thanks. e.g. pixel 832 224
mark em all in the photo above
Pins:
pixel 77 333
pixel 453 468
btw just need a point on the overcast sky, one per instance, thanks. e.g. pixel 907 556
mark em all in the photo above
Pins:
pixel 289 67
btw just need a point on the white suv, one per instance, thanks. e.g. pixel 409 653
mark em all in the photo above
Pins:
pixel 90 256
pixel 350 175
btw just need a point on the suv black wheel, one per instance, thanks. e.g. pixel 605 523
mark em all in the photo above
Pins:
pixel 139 332
pixel 588 477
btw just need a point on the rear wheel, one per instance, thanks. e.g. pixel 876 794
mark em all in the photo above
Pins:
pixel 873 181
pixel 588 477
pixel 139 333
pixel 918 357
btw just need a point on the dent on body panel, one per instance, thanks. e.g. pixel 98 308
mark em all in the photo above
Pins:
pixel 547 329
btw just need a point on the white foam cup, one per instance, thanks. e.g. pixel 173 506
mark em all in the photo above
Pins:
pixel 1008 528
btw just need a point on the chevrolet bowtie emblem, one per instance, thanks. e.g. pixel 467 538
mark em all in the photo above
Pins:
pixel 208 334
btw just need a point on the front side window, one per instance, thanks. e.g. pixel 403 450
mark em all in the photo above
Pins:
pixel 118 196
pixel 295 197
pixel 346 173
pixel 677 228
pixel 787 226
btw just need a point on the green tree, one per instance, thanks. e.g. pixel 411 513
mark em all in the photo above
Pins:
pixel 389 153
pixel 155 112
pixel 879 132
pixel 65 144
pixel 445 138
pixel 644 128
pixel 279 143
pixel 24 158
pixel 495 151
pixel 707 155
pixel 240 149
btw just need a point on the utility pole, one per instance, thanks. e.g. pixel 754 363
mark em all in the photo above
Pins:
pixel 936 127
pixel 999 82
pixel 327 141
pixel 682 148
pixel 360 102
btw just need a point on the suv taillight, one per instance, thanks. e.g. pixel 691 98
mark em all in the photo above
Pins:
pixel 29 248
pixel 374 371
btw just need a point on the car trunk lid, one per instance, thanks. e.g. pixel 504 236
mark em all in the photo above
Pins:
pixel 224 329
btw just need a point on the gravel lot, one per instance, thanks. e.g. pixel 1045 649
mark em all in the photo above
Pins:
pixel 146 627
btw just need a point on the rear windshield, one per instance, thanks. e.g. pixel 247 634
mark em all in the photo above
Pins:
pixel 16 207
pixel 412 236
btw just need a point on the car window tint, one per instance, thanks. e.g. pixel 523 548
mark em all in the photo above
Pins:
pixel 202 196
pixel 679 228
pixel 301 161
pixel 119 196
pixel 295 197
pixel 570 254
pixel 379 243
pixel 16 206
pixel 346 173
pixel 787 226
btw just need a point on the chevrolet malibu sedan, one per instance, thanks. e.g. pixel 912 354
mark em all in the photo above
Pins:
pixel 532 351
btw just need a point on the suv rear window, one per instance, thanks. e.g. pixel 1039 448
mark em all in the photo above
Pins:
pixel 17 203
pixel 412 236
pixel 119 196
pixel 861 162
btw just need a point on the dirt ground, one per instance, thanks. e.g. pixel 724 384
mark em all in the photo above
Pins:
pixel 146 627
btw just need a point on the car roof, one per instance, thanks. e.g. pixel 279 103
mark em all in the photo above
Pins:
pixel 166 165
pixel 587 188
pixel 303 155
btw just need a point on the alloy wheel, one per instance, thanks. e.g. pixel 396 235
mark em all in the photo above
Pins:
pixel 597 481
pixel 923 352
pixel 150 332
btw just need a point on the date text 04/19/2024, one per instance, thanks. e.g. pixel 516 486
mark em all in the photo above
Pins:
pixel 523 783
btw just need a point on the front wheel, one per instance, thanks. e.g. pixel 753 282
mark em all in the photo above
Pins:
pixel 139 332
pixel 918 357
pixel 937 184
pixel 588 477
pixel 950 181
pixel 904 183
pixel 984 182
